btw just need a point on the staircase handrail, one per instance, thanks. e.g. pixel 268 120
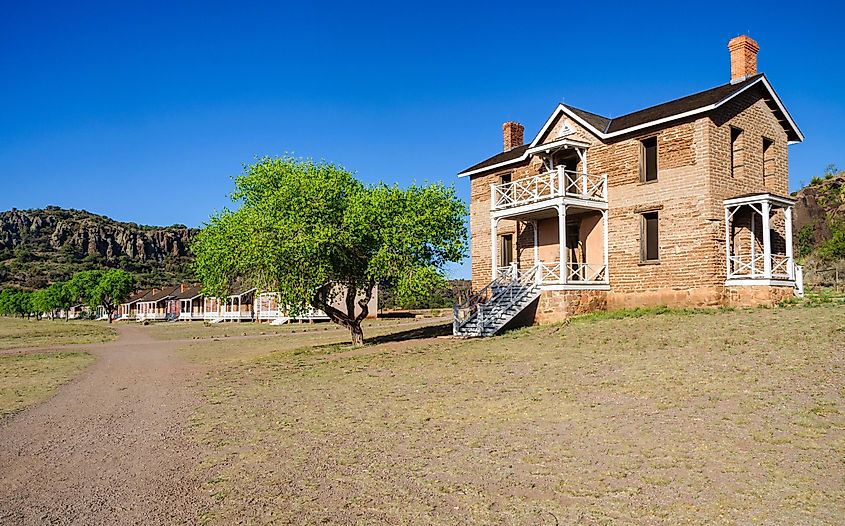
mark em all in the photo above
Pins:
pixel 508 288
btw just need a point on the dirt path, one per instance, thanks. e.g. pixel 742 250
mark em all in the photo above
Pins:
pixel 108 448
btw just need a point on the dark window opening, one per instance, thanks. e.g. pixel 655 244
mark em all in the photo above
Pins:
pixel 768 159
pixel 648 160
pixel 504 178
pixel 736 151
pixel 649 244
pixel 506 252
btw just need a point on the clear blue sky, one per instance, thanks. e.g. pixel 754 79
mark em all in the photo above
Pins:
pixel 144 111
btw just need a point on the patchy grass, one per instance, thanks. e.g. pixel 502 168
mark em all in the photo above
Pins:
pixel 26 379
pixel 663 417
pixel 638 312
pixel 16 333
pixel 201 330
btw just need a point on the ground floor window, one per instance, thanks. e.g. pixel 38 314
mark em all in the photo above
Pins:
pixel 649 245
pixel 505 250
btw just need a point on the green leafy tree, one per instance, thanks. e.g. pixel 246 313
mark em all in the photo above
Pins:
pixel 112 289
pixel 59 297
pixel 82 286
pixel 40 302
pixel 19 303
pixel 320 237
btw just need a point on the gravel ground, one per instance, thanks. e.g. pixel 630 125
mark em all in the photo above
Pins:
pixel 111 447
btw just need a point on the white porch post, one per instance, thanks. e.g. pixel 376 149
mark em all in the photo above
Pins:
pixel 561 236
pixel 767 241
pixel 604 214
pixel 493 247
pixel 561 181
pixel 536 242
pixel 727 243
pixel 583 171
pixel 790 261
pixel 753 246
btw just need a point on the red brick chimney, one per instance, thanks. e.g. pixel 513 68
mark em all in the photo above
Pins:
pixel 183 287
pixel 743 57
pixel 513 134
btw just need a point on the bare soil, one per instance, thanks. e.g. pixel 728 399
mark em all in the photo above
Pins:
pixel 109 448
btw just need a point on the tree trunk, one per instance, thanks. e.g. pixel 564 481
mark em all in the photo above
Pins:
pixel 346 319
pixel 357 334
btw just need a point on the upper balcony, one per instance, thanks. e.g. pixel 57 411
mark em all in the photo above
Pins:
pixel 548 188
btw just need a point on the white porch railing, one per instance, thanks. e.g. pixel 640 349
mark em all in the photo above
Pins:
pixel 746 266
pixel 549 273
pixel 150 316
pixel 555 183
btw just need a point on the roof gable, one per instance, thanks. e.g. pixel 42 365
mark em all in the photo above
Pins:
pixel 607 128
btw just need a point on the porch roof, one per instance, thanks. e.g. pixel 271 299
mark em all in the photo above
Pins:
pixel 765 197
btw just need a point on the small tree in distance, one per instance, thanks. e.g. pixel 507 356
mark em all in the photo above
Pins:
pixel 315 234
pixel 112 289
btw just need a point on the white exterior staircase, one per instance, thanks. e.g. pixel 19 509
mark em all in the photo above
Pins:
pixel 490 309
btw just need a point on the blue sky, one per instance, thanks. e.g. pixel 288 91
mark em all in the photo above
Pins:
pixel 144 111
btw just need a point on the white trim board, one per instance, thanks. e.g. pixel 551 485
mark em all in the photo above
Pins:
pixel 752 282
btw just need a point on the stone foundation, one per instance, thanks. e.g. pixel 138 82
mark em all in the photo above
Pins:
pixel 757 295
pixel 695 297
pixel 557 305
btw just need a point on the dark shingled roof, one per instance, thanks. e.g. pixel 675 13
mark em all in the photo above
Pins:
pixel 160 295
pixel 661 111
pixel 499 158
pixel 137 296
pixel 673 107
pixel 596 121
pixel 190 292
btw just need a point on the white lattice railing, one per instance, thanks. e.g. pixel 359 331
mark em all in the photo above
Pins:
pixel 555 183
pixel 586 272
pixel 748 266
pixel 780 266
pixel 549 272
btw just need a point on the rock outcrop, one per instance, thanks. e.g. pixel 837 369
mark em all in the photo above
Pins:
pixel 64 241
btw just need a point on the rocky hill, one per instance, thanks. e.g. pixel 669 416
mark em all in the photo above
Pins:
pixel 819 228
pixel 38 247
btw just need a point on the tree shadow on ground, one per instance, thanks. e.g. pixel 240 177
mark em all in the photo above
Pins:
pixel 420 333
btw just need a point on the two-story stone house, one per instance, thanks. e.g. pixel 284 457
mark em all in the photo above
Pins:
pixel 683 204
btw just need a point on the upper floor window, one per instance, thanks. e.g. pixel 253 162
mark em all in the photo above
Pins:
pixel 648 159
pixel 649 244
pixel 505 178
pixel 768 160
pixel 737 151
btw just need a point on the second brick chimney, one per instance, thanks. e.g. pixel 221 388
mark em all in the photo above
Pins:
pixel 743 57
pixel 514 133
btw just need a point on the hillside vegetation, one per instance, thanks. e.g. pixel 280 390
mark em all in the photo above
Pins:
pixel 38 247
pixel 820 228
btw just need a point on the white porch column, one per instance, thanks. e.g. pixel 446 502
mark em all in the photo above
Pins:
pixel 604 214
pixel 561 236
pixel 727 243
pixel 584 171
pixel 753 246
pixel 536 242
pixel 790 263
pixel 561 181
pixel 767 240
pixel 493 248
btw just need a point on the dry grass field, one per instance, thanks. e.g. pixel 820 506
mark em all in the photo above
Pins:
pixel 26 379
pixel 733 417
pixel 201 330
pixel 16 333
